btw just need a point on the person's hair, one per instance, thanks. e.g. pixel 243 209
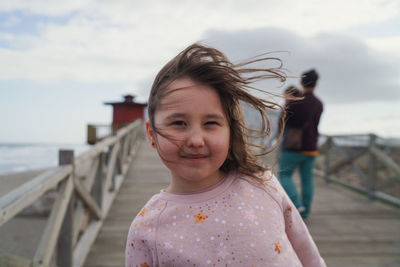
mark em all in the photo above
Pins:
pixel 309 78
pixel 209 66
pixel 292 91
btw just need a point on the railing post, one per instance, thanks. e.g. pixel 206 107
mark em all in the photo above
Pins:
pixel 132 140
pixel 64 244
pixel 372 168
pixel 97 188
pixel 328 153
pixel 115 167
pixel 91 134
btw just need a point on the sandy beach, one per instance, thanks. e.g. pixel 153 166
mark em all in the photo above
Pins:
pixel 21 235
pixel 9 182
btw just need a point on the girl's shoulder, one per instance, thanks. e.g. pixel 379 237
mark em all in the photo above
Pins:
pixel 140 244
pixel 147 218
pixel 267 183
pixel 264 179
pixel 151 209
pixel 271 181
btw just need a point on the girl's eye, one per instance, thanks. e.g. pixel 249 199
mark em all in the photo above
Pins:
pixel 211 123
pixel 179 123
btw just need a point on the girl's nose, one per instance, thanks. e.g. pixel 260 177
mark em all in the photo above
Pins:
pixel 195 139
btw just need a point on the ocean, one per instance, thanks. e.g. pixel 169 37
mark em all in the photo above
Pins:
pixel 21 157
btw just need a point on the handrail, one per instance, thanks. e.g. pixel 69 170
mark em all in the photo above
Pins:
pixel 376 170
pixel 82 202
pixel 23 196
pixel 370 148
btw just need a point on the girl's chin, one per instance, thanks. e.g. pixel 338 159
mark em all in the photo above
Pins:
pixel 194 159
pixel 198 177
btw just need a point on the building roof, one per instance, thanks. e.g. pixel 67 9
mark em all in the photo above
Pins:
pixel 128 100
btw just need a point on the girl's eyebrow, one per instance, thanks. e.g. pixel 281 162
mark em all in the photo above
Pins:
pixel 215 117
pixel 175 116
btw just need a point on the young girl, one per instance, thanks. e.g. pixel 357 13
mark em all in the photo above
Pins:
pixel 222 207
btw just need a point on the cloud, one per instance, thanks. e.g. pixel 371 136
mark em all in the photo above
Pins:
pixel 350 70
pixel 129 41
pixel 387 45
pixel 43 7
pixel 79 51
pixel 223 14
pixel 11 21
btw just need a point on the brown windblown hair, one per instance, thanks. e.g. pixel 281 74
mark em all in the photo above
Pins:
pixel 209 66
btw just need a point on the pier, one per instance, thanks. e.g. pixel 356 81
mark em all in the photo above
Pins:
pixel 350 227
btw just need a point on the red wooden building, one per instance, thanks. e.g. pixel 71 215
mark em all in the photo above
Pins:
pixel 126 112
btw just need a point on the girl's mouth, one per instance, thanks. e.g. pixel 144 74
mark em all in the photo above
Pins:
pixel 194 156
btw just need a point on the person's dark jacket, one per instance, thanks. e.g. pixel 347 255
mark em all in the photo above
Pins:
pixel 305 114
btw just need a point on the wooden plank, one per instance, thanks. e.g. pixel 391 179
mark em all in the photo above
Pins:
pixel 347 225
pixel 87 199
pixel 372 168
pixel 328 157
pixel 81 216
pixel 109 184
pixel 387 182
pixel 91 134
pixel 23 196
pixel 125 168
pixel 65 157
pixel 357 170
pixel 118 162
pixel 347 136
pixel 346 184
pixel 95 150
pixel 111 240
pixel 81 219
pixel 7 260
pixel 347 159
pixel 124 150
pixel 47 244
pixel 97 188
pixel 82 249
pixel 89 180
pixel 101 146
pixel 385 159
pixel 108 198
pixel 65 237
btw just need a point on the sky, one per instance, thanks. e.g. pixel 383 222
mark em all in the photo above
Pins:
pixel 61 60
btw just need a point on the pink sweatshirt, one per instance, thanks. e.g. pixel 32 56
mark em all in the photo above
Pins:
pixel 237 222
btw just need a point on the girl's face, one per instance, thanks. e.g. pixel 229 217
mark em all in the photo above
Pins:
pixel 197 133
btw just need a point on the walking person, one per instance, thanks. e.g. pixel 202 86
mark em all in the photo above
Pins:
pixel 299 146
pixel 222 207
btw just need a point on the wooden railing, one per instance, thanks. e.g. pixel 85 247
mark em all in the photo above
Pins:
pixel 96 133
pixel 82 202
pixel 365 163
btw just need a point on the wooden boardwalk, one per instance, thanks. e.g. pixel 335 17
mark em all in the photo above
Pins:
pixel 146 176
pixel 349 229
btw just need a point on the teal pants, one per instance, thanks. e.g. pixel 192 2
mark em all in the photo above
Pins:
pixel 289 161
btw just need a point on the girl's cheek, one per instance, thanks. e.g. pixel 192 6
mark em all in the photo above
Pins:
pixel 170 143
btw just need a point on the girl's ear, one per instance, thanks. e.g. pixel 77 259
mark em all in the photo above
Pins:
pixel 150 134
